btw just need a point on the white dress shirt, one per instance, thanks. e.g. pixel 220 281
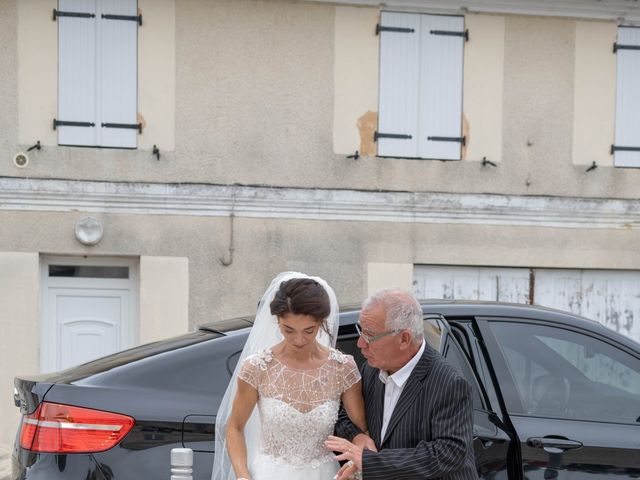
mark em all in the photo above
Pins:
pixel 394 384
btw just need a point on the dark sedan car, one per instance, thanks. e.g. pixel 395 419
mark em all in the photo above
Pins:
pixel 555 397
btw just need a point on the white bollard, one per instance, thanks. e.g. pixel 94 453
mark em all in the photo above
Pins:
pixel 181 464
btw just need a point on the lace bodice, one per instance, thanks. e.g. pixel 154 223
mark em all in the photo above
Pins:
pixel 298 408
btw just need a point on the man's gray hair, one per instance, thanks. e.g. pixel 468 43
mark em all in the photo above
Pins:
pixel 403 311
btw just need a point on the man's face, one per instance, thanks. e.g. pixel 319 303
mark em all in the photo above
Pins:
pixel 382 352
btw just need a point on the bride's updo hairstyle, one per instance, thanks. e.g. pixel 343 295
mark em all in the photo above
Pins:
pixel 301 296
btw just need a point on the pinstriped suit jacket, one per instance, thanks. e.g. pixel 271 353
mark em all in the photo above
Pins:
pixel 429 434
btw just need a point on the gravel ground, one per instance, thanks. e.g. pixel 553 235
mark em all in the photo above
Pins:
pixel 5 462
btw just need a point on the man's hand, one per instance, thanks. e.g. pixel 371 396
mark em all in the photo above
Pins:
pixel 363 440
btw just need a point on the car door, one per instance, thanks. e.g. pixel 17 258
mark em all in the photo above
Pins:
pixel 491 438
pixel 573 397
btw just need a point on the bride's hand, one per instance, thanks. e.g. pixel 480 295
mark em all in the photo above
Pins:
pixel 346 472
pixel 349 452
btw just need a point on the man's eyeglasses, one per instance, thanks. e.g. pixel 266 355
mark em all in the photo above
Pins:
pixel 372 338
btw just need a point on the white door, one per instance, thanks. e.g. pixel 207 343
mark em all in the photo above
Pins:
pixel 89 309
pixel 611 297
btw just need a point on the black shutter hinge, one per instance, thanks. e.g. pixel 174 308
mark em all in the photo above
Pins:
pixel 380 28
pixel 134 18
pixel 57 13
pixel 461 140
pixel 617 46
pixel 615 148
pixel 448 33
pixel 398 136
pixel 63 123
pixel 132 126
pixel 36 146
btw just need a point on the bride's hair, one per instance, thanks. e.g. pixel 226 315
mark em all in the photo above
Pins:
pixel 301 296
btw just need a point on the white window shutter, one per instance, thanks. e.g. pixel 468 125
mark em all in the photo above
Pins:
pixel 116 74
pixel 420 86
pixel 76 73
pixel 627 99
pixel 440 97
pixel 399 75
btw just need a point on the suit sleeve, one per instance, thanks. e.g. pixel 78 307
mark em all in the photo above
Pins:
pixel 451 427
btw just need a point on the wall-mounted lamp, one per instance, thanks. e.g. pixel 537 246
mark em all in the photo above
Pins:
pixel 89 230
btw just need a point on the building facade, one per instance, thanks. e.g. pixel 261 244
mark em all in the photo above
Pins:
pixel 480 150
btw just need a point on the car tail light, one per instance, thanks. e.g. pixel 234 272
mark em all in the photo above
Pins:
pixel 57 428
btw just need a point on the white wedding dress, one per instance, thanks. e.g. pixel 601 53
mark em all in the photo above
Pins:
pixel 298 410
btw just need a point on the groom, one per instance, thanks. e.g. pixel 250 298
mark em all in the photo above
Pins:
pixel 418 407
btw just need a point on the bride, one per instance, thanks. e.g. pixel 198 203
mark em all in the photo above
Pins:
pixel 290 369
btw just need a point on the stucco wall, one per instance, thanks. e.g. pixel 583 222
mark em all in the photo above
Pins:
pixel 19 290
pixel 37 88
pixel 259 90
pixel 538 103
pixel 595 93
pixel 157 74
pixel 164 297
pixel 389 275
pixel 340 251
pixel 255 91
pixel 355 108
pixel 483 87
pixel 8 82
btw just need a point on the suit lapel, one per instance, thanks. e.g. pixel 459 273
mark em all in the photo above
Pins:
pixel 411 388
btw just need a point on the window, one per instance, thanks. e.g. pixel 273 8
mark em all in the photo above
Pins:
pixel 626 150
pixel 97 73
pixel 562 373
pixel 454 355
pixel 420 104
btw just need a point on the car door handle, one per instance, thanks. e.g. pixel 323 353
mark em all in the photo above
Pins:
pixel 486 442
pixel 553 442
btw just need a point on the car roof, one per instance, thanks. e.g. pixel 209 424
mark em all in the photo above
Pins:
pixel 478 308
pixel 460 308
pixel 487 308
pixel 470 308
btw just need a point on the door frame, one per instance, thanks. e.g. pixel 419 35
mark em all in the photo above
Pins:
pixel 130 332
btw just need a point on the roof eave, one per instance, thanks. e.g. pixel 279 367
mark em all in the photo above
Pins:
pixel 621 11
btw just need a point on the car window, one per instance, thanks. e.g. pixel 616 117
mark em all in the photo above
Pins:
pixel 348 344
pixel 433 327
pixel 454 355
pixel 597 366
pixel 232 361
pixel 562 373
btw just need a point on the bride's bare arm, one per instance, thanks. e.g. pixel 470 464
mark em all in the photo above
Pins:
pixel 354 405
pixel 243 404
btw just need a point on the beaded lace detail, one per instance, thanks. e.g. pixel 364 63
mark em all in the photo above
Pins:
pixel 298 408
